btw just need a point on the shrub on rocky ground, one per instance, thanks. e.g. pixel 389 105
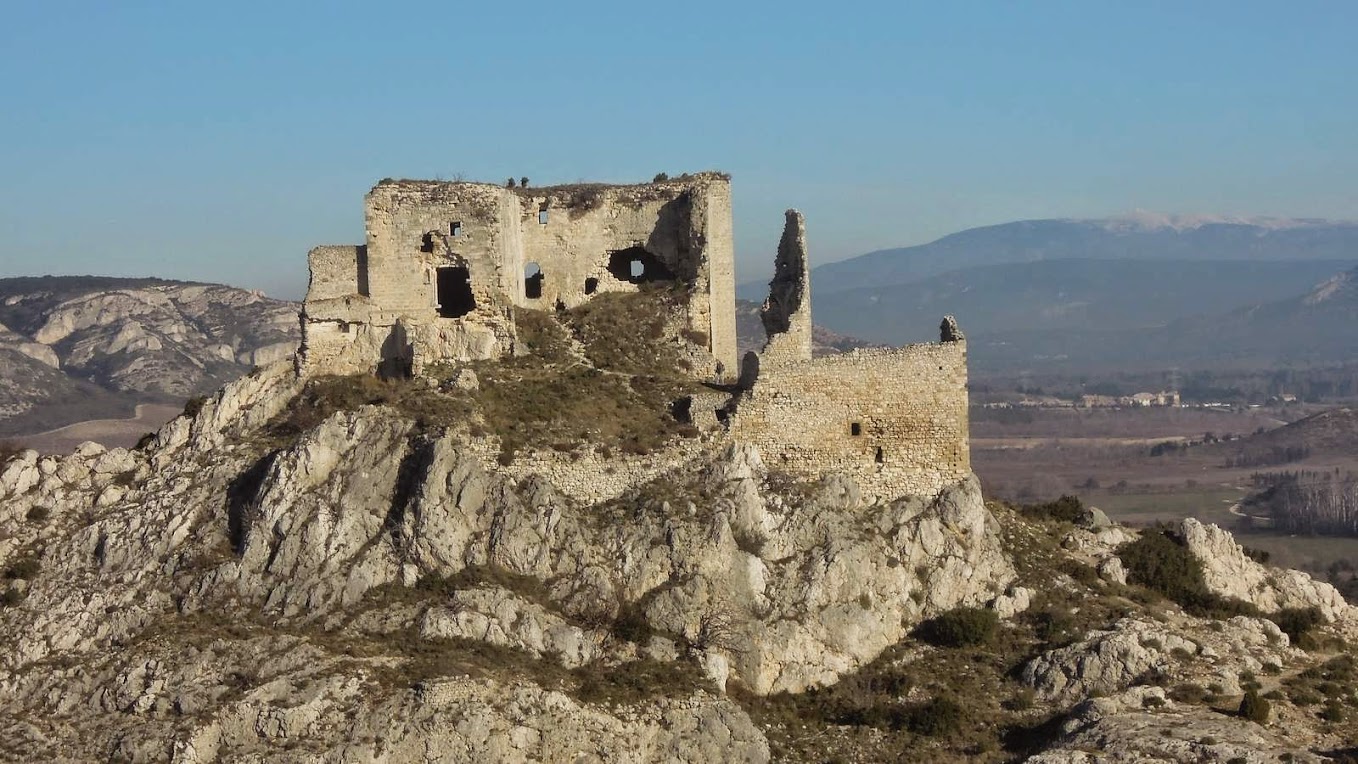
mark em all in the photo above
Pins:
pixel 1254 707
pixel 25 568
pixel 960 627
pixel 1068 509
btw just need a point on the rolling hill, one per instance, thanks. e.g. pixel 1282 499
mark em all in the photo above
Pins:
pixel 74 348
pixel 1140 237
pixel 1064 294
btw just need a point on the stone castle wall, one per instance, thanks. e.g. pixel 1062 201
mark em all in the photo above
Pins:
pixel 531 248
pixel 446 265
pixel 895 420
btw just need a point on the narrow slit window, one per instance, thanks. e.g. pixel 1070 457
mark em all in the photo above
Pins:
pixel 542 216
pixel 856 429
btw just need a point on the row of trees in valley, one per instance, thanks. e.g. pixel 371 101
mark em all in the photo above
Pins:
pixel 1309 502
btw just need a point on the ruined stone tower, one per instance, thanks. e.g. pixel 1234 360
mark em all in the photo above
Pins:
pixel 445 263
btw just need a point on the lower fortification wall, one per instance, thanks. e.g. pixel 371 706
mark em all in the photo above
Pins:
pixel 591 478
pixel 895 420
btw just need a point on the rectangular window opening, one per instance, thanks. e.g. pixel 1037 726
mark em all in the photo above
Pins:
pixel 542 216
pixel 856 429
pixel 455 228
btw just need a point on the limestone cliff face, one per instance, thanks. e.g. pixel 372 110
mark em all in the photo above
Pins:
pixel 318 540
pixel 370 590
pixel 1230 573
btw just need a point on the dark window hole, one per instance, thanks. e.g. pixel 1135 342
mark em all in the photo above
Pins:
pixel 532 281
pixel 637 266
pixel 454 293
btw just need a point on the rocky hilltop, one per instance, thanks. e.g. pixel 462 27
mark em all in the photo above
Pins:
pixel 77 348
pixel 348 569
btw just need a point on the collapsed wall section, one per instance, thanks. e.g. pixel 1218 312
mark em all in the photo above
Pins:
pixel 786 314
pixel 895 420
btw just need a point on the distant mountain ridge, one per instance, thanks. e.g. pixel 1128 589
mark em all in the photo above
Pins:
pixel 1137 236
pixel 86 347
pixel 1128 290
pixel 1064 294
pixel 1319 325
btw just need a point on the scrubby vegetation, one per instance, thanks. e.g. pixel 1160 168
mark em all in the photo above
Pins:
pixel 1159 561
pixel 1254 707
pixel 1067 509
pixel 8 451
pixel 960 627
pixel 604 374
pixel 26 568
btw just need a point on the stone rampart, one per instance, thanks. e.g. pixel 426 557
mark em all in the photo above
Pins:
pixel 895 420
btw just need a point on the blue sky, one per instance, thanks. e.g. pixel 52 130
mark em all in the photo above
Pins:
pixel 220 141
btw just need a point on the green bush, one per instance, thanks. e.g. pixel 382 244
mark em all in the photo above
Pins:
pixel 940 717
pixel 8 451
pixel 26 568
pixel 1188 693
pixel 1296 623
pixel 960 627
pixel 1068 509
pixel 1158 562
pixel 1254 707
pixel 194 405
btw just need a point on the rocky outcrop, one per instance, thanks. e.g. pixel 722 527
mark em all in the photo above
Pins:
pixel 1110 660
pixel 201 698
pixel 251 584
pixel 1142 725
pixel 1229 572
pixel 1104 661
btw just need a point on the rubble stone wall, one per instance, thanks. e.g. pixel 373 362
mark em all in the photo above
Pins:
pixel 895 420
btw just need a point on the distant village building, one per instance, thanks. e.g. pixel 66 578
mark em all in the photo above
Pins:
pixel 1137 400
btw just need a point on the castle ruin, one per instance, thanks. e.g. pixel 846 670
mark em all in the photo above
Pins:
pixel 446 265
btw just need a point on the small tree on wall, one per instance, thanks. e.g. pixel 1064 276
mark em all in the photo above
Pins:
pixel 509 183
pixel 523 182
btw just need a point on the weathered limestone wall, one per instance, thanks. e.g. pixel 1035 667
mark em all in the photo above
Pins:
pixel 335 271
pixel 675 230
pixel 895 420
pixel 786 313
pixel 590 478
